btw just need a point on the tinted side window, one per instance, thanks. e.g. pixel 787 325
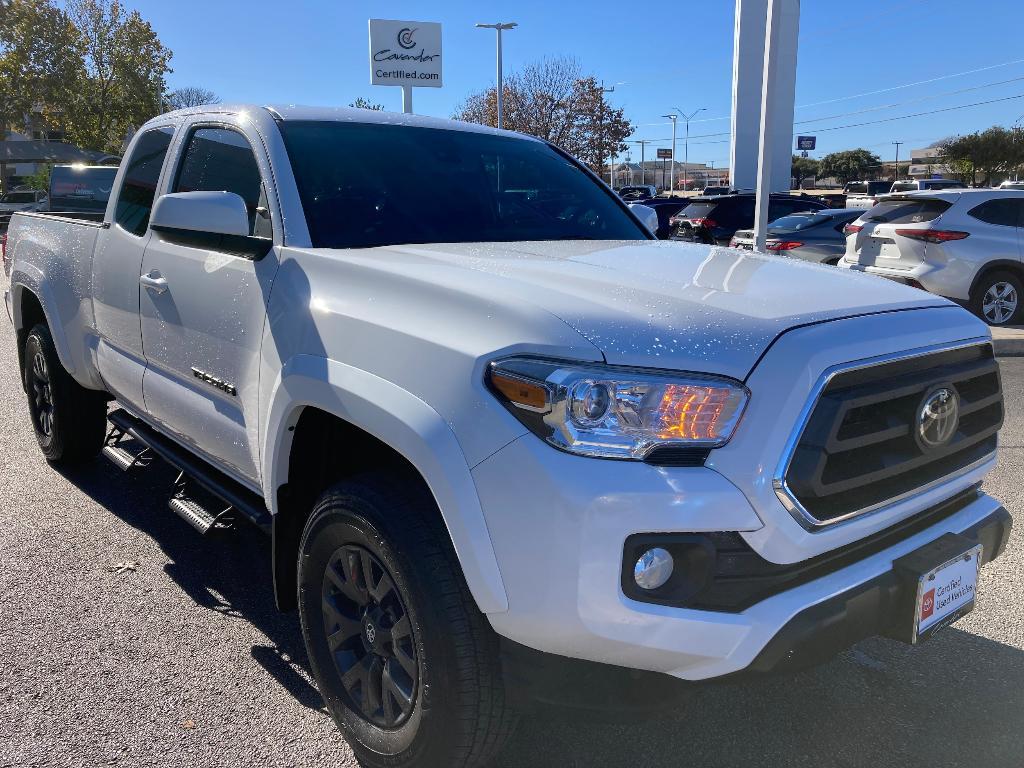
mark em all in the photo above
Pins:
pixel 1006 212
pixel 221 160
pixel 140 178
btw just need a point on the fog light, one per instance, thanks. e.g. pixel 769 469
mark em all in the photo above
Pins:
pixel 653 568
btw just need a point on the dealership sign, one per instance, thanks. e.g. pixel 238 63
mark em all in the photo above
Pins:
pixel 405 53
pixel 806 142
pixel 664 154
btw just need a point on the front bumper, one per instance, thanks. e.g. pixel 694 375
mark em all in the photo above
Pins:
pixel 559 522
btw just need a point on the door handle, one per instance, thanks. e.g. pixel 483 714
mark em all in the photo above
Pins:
pixel 154 282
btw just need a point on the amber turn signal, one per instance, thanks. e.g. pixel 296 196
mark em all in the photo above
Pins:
pixel 525 394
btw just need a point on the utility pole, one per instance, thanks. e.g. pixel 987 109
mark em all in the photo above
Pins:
pixel 896 175
pixel 686 150
pixel 499 27
pixel 643 169
pixel 673 117
pixel 611 152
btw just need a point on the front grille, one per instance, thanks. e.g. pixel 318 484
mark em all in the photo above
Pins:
pixel 859 449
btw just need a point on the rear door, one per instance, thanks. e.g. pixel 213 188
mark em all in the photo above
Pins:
pixel 996 228
pixel 201 331
pixel 118 263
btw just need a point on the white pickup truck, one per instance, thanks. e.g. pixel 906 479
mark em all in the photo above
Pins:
pixel 509 447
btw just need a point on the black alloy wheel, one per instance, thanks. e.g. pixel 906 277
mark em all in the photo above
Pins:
pixel 370 637
pixel 40 395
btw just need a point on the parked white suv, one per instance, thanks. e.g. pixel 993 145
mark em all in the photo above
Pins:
pixel 963 244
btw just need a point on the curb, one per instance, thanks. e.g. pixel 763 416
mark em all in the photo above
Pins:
pixel 1008 347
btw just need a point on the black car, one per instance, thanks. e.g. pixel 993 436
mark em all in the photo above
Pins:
pixel 666 208
pixel 714 220
pixel 635 192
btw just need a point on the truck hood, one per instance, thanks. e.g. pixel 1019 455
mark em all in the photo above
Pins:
pixel 665 304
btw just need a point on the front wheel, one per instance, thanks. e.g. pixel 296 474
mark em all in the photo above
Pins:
pixel 406 663
pixel 997 298
pixel 69 420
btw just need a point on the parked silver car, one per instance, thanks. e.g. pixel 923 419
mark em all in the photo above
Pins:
pixel 810 235
pixel 964 244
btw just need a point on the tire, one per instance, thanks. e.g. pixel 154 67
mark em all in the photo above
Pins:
pixel 998 298
pixel 414 678
pixel 69 420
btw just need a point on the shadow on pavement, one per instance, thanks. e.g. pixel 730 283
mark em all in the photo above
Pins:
pixel 227 572
pixel 957 700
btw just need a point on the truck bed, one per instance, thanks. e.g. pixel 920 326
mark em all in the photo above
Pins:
pixel 53 254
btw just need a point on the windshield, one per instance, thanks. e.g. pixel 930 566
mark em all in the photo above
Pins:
pixel 366 185
pixel 18 197
pixel 867 187
pixel 904 186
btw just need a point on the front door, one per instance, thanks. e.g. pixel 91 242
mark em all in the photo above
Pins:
pixel 116 268
pixel 203 309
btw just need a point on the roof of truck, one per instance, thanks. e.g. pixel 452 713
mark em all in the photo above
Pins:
pixel 287 112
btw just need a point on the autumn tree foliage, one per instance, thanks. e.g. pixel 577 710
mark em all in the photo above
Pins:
pixel 553 100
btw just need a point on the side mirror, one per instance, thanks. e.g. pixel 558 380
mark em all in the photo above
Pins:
pixel 647 215
pixel 211 213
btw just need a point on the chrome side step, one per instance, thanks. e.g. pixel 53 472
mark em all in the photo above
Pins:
pixel 204 480
pixel 119 457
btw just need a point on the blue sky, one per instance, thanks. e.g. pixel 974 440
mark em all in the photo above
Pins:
pixel 852 56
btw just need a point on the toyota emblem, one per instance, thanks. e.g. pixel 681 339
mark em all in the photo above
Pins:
pixel 938 417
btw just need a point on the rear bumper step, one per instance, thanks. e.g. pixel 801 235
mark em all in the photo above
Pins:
pixel 233 493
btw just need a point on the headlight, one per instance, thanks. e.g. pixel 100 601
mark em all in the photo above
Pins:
pixel 618 413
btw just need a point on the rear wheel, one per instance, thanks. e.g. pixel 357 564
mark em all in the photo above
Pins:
pixel 997 298
pixel 407 664
pixel 69 420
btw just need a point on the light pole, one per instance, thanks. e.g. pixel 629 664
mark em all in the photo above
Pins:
pixel 673 117
pixel 611 152
pixel 499 27
pixel 643 168
pixel 686 150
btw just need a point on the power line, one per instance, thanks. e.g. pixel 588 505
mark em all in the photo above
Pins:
pixel 909 101
pixel 920 114
pixel 880 90
pixel 911 85
pixel 859 125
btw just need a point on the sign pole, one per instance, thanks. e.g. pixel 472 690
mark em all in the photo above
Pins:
pixel 407 99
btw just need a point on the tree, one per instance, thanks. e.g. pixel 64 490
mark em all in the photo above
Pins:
pixel 40 64
pixel 553 100
pixel 804 168
pixel 361 103
pixel 125 66
pixel 190 96
pixel 41 178
pixel 851 165
pixel 990 152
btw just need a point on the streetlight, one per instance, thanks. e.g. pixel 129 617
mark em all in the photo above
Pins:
pixel 896 176
pixel 686 157
pixel 643 168
pixel 499 27
pixel 673 117
pixel 611 151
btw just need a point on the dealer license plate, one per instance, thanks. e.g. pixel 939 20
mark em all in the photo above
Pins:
pixel 946 593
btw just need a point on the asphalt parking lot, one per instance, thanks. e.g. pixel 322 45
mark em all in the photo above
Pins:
pixel 125 639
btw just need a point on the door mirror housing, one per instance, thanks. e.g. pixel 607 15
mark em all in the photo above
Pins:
pixel 217 221
pixel 211 213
